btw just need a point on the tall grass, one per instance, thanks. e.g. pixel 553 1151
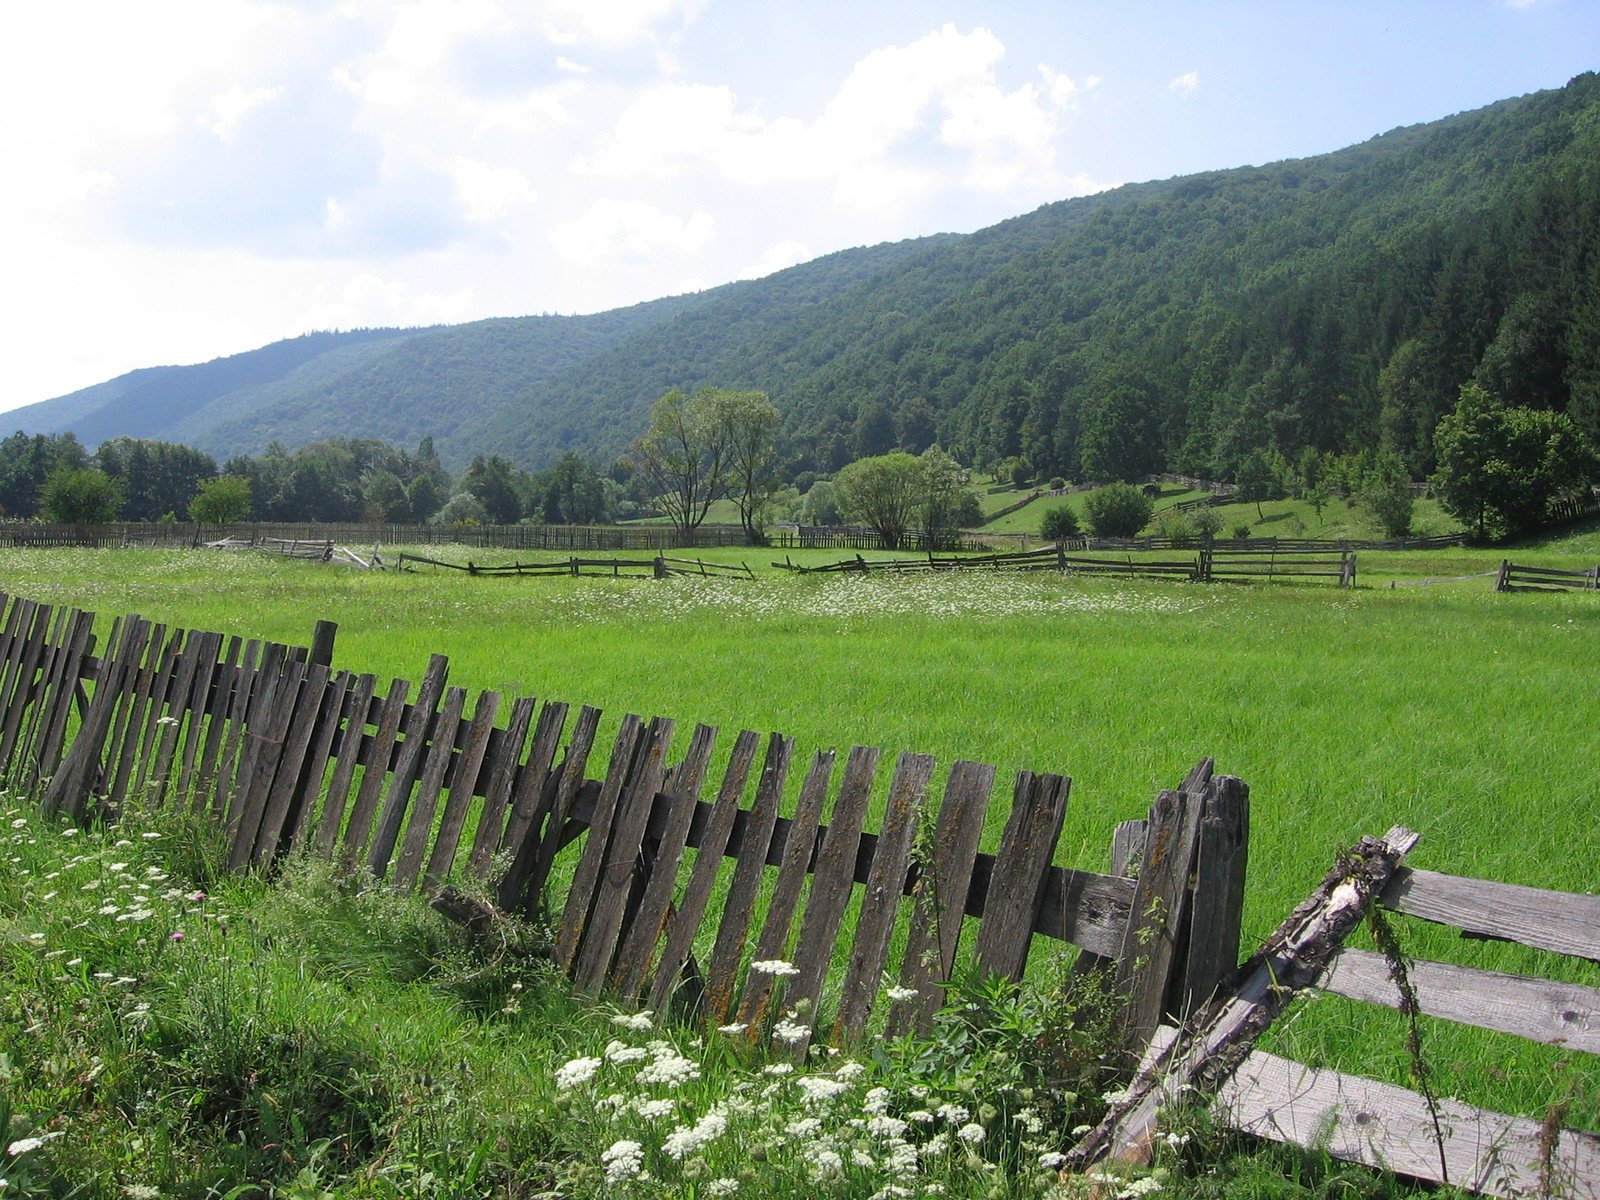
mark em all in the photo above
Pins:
pixel 1458 712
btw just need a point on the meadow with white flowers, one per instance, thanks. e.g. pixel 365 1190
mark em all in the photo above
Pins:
pixel 167 1031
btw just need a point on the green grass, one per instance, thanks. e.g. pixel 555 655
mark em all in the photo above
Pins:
pixel 1461 713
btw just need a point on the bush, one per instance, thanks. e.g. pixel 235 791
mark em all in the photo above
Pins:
pixel 1241 530
pixel 1057 483
pixel 1207 522
pixel 1178 526
pixel 1060 523
pixel 1117 510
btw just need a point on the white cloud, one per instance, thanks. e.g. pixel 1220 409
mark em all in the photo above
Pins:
pixel 567 22
pixel 1185 85
pixel 778 257
pixel 229 108
pixel 878 143
pixel 612 231
pixel 488 193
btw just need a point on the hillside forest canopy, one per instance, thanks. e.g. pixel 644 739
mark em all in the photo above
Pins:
pixel 1299 326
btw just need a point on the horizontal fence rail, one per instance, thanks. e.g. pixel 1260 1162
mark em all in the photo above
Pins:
pixel 1513 577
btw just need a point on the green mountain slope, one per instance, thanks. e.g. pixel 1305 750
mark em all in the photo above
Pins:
pixel 1334 303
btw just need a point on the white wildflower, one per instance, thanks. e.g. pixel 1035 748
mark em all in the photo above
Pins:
pixel 972 1134
pixel 621 1052
pixel 29 1144
pixel 686 1139
pixel 851 1070
pixel 668 1067
pixel 819 1089
pixel 775 967
pixel 622 1160
pixel 826 1164
pixel 778 1069
pixel 790 1033
pixel 899 995
pixel 736 1027
pixel 639 1022
pixel 653 1110
pixel 576 1072
pixel 726 1186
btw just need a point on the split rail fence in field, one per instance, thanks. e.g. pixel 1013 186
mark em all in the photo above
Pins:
pixel 1515 578
pixel 421 787
pixel 660 567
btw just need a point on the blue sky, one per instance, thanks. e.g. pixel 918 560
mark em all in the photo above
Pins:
pixel 192 178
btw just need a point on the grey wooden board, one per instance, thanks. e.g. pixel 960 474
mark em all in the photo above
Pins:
pixel 621 863
pixel 256 676
pixel 463 781
pixel 268 738
pixel 682 795
pixel 1542 1010
pixel 161 688
pixel 181 706
pixel 934 935
pixel 123 749
pixel 418 733
pixel 728 950
pixel 223 688
pixel 1361 1120
pixel 684 924
pixel 832 883
pixel 1217 897
pixel 575 914
pixel 1149 951
pixel 534 850
pixel 504 756
pixel 377 752
pixel 880 900
pixel 347 755
pixel 1039 805
pixel 255 735
pixel 51 745
pixel 419 826
pixel 305 705
pixel 1565 922
pixel 773 943
pixel 329 721
pixel 33 699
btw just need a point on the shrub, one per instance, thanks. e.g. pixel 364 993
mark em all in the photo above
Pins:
pixel 1178 526
pixel 1117 510
pixel 1060 523
pixel 1207 522
pixel 1241 530
pixel 1057 483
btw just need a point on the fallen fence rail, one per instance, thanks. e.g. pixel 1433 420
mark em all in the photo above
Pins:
pixel 659 567
pixel 1364 1120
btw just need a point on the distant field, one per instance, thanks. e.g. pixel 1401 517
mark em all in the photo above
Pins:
pixel 1461 713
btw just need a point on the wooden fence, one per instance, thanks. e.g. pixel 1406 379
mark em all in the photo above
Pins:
pixel 660 567
pixel 1205 565
pixel 508 537
pixel 285 752
pixel 1515 578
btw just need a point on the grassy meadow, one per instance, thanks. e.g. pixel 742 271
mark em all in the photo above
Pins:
pixel 1461 713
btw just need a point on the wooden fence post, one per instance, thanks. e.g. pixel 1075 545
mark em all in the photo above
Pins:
pixel 322 644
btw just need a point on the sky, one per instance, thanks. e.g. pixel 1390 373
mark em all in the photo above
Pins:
pixel 187 179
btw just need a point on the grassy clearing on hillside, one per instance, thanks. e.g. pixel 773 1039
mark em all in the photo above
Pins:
pixel 1464 714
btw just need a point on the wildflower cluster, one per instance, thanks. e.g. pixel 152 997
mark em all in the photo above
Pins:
pixel 662 1110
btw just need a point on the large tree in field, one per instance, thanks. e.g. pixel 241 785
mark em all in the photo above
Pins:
pixel 882 492
pixel 751 425
pixel 1500 468
pixel 224 500
pixel 700 447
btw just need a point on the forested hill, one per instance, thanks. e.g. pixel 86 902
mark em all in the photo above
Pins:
pixel 1337 302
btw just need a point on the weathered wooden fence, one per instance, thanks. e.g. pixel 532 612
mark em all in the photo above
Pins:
pixel 660 567
pixel 1513 577
pixel 285 752
pixel 1360 1119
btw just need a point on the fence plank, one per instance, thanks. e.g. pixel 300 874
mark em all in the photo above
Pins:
pixel 69 791
pixel 534 854
pixel 575 916
pixel 505 753
pixel 1150 946
pixel 379 750
pixel 418 733
pixel 181 705
pixel 1216 903
pixel 622 861
pixel 755 839
pixel 222 701
pixel 32 698
pixel 1389 1127
pixel 1542 1010
pixel 1016 888
pixel 942 889
pixel 347 756
pixel 832 883
pixel 425 804
pixel 683 925
pixel 130 725
pixel 266 739
pixel 80 639
pixel 330 718
pixel 463 784
pixel 20 694
pixel 799 846
pixel 1565 922
pixel 306 709
pixel 880 901
pixel 161 689
pixel 238 753
pixel 649 918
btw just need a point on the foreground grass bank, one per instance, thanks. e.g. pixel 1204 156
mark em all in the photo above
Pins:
pixel 168 1032
pixel 1458 712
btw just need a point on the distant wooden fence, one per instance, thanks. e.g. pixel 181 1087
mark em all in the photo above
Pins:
pixel 1206 565
pixel 659 567
pixel 420 787
pixel 157 534
pixel 1515 578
